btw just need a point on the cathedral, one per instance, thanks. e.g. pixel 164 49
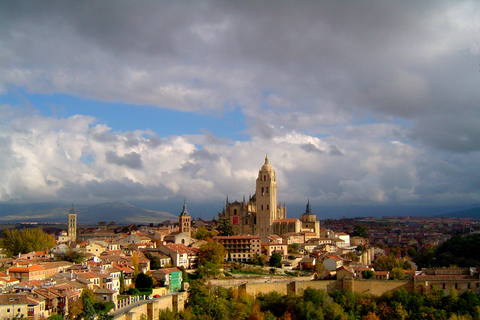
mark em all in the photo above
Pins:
pixel 262 215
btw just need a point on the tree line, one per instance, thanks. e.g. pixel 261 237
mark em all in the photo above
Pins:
pixel 208 302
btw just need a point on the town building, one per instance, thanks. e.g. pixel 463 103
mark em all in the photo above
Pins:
pixel 240 248
pixel 171 277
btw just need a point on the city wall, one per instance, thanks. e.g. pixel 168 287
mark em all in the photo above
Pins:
pixel 254 287
pixel 151 308
pixel 297 286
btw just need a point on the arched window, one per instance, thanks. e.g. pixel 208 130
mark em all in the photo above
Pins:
pixel 264 178
pixel 235 212
pixel 263 192
pixel 267 190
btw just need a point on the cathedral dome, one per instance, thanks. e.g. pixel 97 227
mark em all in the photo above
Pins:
pixel 267 165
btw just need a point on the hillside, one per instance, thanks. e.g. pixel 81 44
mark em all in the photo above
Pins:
pixel 473 213
pixel 119 211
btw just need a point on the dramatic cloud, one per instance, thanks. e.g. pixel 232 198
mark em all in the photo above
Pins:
pixel 355 102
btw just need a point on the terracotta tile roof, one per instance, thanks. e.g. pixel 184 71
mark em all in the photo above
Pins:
pixel 13 299
pixel 35 267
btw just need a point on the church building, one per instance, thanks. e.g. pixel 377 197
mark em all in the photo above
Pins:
pixel 262 215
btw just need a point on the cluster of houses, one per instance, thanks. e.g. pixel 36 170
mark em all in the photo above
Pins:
pixel 37 285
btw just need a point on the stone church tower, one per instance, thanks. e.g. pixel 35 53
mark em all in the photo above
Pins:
pixel 72 225
pixel 256 216
pixel 184 220
pixel 266 201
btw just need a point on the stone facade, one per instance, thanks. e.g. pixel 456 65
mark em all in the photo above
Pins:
pixel 262 215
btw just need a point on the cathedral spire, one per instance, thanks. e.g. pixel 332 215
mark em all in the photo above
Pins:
pixel 184 211
pixel 309 208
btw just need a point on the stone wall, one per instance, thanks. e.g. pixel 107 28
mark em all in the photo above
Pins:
pixel 374 287
pixel 151 308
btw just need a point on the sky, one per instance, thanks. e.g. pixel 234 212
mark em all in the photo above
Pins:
pixel 361 106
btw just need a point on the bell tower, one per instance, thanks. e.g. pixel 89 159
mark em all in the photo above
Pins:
pixel 266 200
pixel 184 220
pixel 72 225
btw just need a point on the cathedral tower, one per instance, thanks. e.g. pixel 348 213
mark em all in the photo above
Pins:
pixel 72 225
pixel 266 200
pixel 184 220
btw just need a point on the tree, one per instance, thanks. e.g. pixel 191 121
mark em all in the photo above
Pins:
pixel 258 259
pixel 412 252
pixel 25 240
pixel 293 248
pixel 71 256
pixel 359 231
pixel 154 261
pixel 88 312
pixel 397 274
pixel 74 309
pixel 122 282
pixel 144 281
pixel 212 251
pixel 275 260
pixel 135 263
pixel 224 228
pixel 203 233
pixel 368 274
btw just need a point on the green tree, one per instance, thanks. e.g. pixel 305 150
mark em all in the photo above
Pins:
pixel 122 282
pixel 412 252
pixel 293 248
pixel 88 312
pixel 144 282
pixel 203 233
pixel 460 251
pixel 71 256
pixel 258 259
pixel 359 231
pixel 368 274
pixel 154 261
pixel 397 274
pixel 25 240
pixel 275 260
pixel 224 228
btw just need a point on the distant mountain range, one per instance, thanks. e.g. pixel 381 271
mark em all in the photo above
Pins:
pixel 119 212
pixel 473 213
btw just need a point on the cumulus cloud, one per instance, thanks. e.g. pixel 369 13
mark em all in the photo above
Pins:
pixel 47 162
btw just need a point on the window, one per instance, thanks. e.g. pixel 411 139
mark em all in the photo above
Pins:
pixel 443 286
pixel 267 190
pixel 263 192
pixel 268 207
pixel 264 178
pixel 262 206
